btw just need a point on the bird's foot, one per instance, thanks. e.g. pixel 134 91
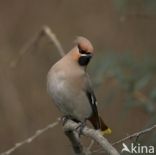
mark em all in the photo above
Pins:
pixel 65 119
pixel 80 128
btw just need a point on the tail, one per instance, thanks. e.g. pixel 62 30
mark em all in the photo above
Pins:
pixel 98 123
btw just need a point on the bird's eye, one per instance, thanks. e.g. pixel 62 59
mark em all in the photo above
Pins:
pixel 81 50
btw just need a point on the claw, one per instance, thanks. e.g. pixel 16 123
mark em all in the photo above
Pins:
pixel 80 128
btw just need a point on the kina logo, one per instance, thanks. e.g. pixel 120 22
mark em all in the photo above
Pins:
pixel 138 149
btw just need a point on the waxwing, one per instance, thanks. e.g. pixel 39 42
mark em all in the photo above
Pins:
pixel 70 87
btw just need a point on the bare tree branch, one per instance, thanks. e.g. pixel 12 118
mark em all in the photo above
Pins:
pixel 94 134
pixel 30 139
pixel 136 134
pixel 73 135
pixel 75 141
pixel 71 131
pixel 48 32
pixel 45 31
pixel 90 145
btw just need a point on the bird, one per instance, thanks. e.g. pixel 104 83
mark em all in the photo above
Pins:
pixel 69 85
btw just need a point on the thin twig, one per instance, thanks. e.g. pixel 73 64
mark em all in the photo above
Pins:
pixel 72 126
pixel 45 31
pixel 48 32
pixel 25 49
pixel 30 139
pixel 90 145
pixel 136 134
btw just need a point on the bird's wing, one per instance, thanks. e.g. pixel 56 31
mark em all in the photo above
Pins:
pixel 95 118
pixel 93 102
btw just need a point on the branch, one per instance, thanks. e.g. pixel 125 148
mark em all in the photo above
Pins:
pixel 45 31
pixel 94 134
pixel 136 134
pixel 48 32
pixel 30 139
pixel 73 135
pixel 75 141
pixel 70 130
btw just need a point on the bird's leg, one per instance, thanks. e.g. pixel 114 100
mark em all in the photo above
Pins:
pixel 65 119
pixel 80 127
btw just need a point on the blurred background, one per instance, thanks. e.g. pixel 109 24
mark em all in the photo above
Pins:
pixel 123 69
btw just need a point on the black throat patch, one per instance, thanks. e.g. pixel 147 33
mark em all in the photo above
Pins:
pixel 84 60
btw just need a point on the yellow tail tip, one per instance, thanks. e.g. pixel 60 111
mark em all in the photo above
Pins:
pixel 106 132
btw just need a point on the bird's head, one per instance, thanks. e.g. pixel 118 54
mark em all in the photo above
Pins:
pixel 83 51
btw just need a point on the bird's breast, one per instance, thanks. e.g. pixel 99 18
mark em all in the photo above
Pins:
pixel 68 95
pixel 55 84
